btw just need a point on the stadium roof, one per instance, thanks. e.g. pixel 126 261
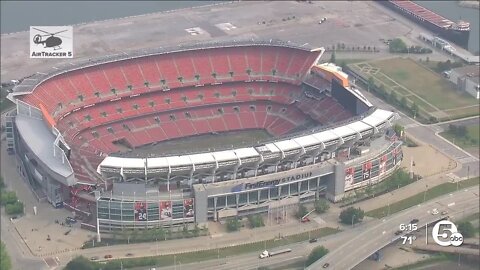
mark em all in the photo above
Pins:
pixel 377 118
pixel 41 142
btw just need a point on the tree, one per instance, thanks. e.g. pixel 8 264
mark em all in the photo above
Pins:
pixel 403 102
pixel 414 108
pixel 8 197
pixel 79 263
pixel 461 131
pixel 233 224
pixel 351 215
pixel 332 57
pixel 321 206
pixel 301 212
pixel 371 82
pixel 381 91
pixel 5 262
pixel 316 254
pixel 255 221
pixel 397 46
pixel 392 97
pixel 466 229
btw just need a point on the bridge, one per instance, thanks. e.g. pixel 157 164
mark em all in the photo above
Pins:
pixel 382 232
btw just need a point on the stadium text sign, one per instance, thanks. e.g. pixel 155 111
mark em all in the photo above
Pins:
pixel 51 42
pixel 275 182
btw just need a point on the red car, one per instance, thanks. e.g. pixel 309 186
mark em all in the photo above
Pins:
pixel 305 219
pixel 108 256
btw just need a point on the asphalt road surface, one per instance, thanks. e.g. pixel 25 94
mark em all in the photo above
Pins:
pixel 381 234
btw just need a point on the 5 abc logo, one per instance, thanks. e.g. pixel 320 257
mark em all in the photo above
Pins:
pixel 442 238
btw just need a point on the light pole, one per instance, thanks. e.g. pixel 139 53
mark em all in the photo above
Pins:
pixel 175 261
pixel 468 172
pixel 388 212
pixel 425 193
pixel 352 219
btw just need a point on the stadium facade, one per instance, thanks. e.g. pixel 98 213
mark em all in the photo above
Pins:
pixel 76 129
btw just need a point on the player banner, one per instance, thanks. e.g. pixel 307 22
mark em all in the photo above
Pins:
pixel 165 210
pixel 188 208
pixel 383 165
pixel 395 152
pixel 367 169
pixel 349 177
pixel 140 211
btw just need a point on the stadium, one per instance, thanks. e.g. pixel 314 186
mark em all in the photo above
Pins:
pixel 115 138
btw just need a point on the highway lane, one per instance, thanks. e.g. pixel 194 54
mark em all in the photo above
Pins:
pixel 382 233
pixel 344 244
pixel 251 261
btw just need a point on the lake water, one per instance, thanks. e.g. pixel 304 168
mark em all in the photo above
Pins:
pixel 452 11
pixel 20 15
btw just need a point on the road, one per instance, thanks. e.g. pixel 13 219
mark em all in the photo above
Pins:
pixel 346 242
pixel 381 233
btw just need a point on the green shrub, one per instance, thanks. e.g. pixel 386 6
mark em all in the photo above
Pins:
pixel 316 254
pixel 14 208
pixel 351 215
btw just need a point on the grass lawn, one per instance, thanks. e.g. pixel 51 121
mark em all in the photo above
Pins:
pixel 471 218
pixel 473 132
pixel 348 61
pixel 432 193
pixel 422 104
pixel 190 257
pixel 425 83
pixel 463 112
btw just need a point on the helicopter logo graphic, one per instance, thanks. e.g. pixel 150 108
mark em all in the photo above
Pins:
pixel 51 42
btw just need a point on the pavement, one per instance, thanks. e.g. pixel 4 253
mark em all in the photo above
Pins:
pixel 354 23
pixel 381 232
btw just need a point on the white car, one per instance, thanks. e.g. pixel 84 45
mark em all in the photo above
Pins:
pixel 434 211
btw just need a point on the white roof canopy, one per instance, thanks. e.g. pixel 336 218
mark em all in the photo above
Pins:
pixel 373 120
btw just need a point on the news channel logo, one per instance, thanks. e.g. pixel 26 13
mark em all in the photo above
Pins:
pixel 443 238
pixel 51 42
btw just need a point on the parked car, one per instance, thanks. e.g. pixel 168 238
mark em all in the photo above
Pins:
pixel 415 220
pixel 129 255
pixel 398 232
pixel 444 212
pixel 94 258
pixel 108 256
pixel 434 211
pixel 70 220
pixel 326 265
pixel 313 240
